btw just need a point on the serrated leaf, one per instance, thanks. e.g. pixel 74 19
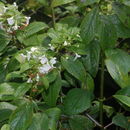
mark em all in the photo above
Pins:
pixel 79 122
pixel 107 33
pixel 4 40
pixel 123 12
pixel 52 94
pixel 77 101
pixel 54 115
pixel 118 65
pixel 91 61
pixel 89 26
pixel 121 120
pixel 75 68
pixel 21 117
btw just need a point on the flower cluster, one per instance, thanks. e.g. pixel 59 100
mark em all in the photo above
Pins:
pixel 11 19
pixel 42 64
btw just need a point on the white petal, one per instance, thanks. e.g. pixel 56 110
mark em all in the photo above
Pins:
pixel 53 61
pixel 10 21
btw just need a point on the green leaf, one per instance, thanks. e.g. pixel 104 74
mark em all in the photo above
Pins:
pixel 4 40
pixel 89 26
pixel 121 120
pixel 122 30
pixel 79 122
pixel 52 94
pixel 75 68
pixel 107 33
pixel 39 122
pixel 21 117
pixel 123 12
pixel 54 115
pixel 60 2
pixel 123 99
pixel 29 36
pixel 91 61
pixel 124 91
pixel 5 127
pixel 77 101
pixel 118 65
pixel 7 90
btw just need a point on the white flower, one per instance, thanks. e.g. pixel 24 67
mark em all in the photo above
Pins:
pixel 51 47
pixel 15 4
pixel 33 49
pixel 53 61
pixel 15 27
pixel 43 60
pixel 29 55
pixel 45 68
pixel 65 43
pixel 27 20
pixel 10 20
pixel 23 56
pixel 76 56
pixel 29 80
pixel 37 78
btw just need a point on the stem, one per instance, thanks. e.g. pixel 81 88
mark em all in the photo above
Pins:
pixel 53 17
pixel 102 89
pixel 108 125
pixel 93 120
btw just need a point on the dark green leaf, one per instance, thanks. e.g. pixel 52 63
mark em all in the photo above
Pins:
pixel 74 67
pixel 123 12
pixel 118 65
pixel 89 26
pixel 79 122
pixel 21 117
pixel 77 101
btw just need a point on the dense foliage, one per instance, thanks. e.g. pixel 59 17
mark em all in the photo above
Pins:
pixel 58 60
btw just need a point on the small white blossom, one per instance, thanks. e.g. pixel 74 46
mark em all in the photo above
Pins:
pixel 27 20
pixel 15 27
pixel 53 61
pixel 43 60
pixel 45 68
pixel 29 55
pixel 15 4
pixel 66 43
pixel 33 49
pixel 1 25
pixel 23 56
pixel 37 78
pixel 29 80
pixel 10 20
pixel 51 47
pixel 76 56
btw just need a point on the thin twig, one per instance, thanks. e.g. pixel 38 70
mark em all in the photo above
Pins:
pixel 108 125
pixel 93 120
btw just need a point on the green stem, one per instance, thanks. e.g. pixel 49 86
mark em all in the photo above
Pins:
pixel 102 89
pixel 53 17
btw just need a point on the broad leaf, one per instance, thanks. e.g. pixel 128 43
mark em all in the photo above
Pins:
pixel 75 68
pixel 39 122
pixel 77 101
pixel 60 2
pixel 21 117
pixel 5 127
pixel 121 120
pixel 91 61
pixel 79 122
pixel 118 65
pixel 87 2
pixel 4 40
pixel 52 94
pixel 89 26
pixel 54 115
pixel 123 12
pixel 107 33
pixel 121 30
pixel 123 99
